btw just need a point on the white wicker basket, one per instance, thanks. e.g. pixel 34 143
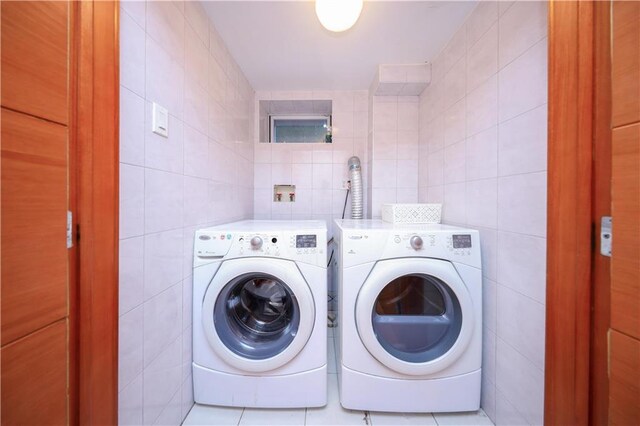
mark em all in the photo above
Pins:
pixel 411 213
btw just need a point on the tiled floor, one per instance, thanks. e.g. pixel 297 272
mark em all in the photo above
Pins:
pixel 331 414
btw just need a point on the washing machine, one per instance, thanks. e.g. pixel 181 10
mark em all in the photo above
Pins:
pixel 409 317
pixel 260 314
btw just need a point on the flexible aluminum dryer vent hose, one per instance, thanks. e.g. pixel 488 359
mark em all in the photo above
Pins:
pixel 356 187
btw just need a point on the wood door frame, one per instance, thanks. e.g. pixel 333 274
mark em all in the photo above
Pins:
pixel 578 194
pixel 96 169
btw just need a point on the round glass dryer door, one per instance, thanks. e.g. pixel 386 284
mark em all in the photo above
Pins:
pixel 258 313
pixel 256 316
pixel 415 316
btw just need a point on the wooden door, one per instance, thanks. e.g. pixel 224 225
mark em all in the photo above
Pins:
pixel 624 333
pixel 35 198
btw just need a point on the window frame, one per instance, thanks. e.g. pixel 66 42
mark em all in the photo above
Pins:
pixel 274 117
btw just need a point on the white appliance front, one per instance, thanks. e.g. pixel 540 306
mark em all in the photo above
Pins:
pixel 410 330
pixel 259 328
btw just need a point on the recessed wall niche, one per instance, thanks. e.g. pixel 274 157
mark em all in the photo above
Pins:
pixel 295 121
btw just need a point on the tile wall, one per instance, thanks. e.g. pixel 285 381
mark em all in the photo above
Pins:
pixel 483 153
pixel 317 170
pixel 392 152
pixel 201 175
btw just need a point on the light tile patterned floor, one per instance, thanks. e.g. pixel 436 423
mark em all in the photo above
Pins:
pixel 331 414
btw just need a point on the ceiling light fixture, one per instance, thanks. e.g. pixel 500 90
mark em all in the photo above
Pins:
pixel 338 15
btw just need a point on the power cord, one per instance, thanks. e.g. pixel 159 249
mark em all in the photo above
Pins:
pixel 344 209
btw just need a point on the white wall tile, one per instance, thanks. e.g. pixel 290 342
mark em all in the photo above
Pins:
pixel 162 381
pixel 163 200
pixel 132 53
pixel 386 145
pixel 455 83
pixel 131 201
pixel 456 48
pixel 455 123
pixel 135 9
pixel 262 176
pixel 407 174
pixel 455 199
pixel 172 412
pixel 195 201
pixel 321 201
pixel 384 173
pixel 196 105
pixel 523 83
pixel 522 201
pixel 165 24
pixel 130 403
pixel 435 168
pixel 482 203
pixel 164 78
pixel 130 344
pixel 407 148
pixel 163 258
pixel 132 121
pixel 506 413
pixel 488 397
pixel 131 273
pixel 480 20
pixel 482 155
pixel 196 151
pixel 489 342
pixel 521 322
pixel 489 305
pixel 518 378
pixel 454 163
pixel 482 60
pixel 489 245
pixel 162 324
pixel 522 264
pixel 520 28
pixel 187 396
pixel 197 18
pixel 302 175
pixel 407 195
pixel 408 115
pixel 522 143
pixel 322 176
pixel 482 107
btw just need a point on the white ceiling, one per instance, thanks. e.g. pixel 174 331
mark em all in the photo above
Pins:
pixel 280 45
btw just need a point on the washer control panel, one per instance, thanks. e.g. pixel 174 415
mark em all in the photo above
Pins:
pixel 305 246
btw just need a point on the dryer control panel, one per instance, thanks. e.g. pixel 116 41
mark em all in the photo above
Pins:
pixel 370 245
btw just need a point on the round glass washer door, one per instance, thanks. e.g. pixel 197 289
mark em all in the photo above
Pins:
pixel 415 316
pixel 258 314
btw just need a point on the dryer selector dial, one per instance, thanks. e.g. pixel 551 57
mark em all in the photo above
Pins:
pixel 416 242
pixel 256 243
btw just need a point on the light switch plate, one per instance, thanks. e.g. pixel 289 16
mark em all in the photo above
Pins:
pixel 160 121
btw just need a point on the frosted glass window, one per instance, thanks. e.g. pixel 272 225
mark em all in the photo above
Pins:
pixel 300 129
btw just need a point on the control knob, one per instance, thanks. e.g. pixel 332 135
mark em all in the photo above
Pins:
pixel 256 243
pixel 416 242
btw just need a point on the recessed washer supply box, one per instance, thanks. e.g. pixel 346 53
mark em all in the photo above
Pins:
pixel 412 213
